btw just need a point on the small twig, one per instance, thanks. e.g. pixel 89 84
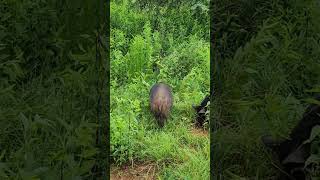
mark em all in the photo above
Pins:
pixel 148 170
pixel 281 170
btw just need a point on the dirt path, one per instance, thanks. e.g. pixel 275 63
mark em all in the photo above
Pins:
pixel 140 171
pixel 199 132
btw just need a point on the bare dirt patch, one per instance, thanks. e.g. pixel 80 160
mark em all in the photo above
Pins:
pixel 199 132
pixel 139 171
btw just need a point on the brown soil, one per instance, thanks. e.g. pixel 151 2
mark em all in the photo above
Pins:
pixel 141 171
pixel 199 132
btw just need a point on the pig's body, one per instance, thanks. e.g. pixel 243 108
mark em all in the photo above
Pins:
pixel 161 102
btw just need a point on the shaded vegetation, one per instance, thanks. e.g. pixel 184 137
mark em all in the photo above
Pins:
pixel 268 54
pixel 50 89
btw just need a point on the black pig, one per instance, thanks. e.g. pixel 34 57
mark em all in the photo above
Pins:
pixel 292 152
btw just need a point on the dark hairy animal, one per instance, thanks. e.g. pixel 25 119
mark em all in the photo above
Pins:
pixel 161 101
pixel 201 111
pixel 292 153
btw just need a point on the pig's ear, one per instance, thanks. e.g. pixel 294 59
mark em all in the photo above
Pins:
pixel 271 143
pixel 196 108
pixel 202 111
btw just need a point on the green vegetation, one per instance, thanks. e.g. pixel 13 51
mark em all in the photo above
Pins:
pixel 50 86
pixel 269 56
pixel 152 42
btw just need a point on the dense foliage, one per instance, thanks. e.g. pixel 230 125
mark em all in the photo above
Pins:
pixel 164 41
pixel 268 53
pixel 50 86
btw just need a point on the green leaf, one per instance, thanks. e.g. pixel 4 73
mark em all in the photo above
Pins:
pixel 313 158
pixel 87 153
pixel 2 154
pixel 312 101
pixel 86 166
pixel 314 133
pixel 3 56
pixel 25 121
pixel 316 90
pixel 251 71
pixel 5 90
